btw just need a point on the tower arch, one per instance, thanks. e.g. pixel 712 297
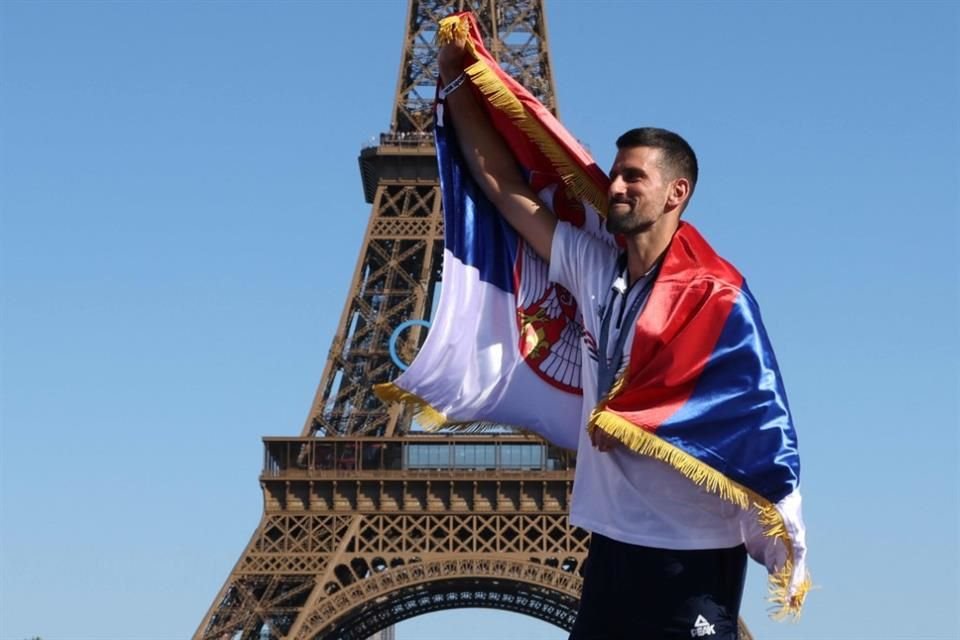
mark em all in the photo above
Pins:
pixel 536 590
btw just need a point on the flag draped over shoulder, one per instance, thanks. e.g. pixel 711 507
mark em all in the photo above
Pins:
pixel 702 390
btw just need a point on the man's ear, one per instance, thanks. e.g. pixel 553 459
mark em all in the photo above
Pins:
pixel 679 192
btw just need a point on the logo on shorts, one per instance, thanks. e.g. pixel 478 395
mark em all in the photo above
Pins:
pixel 702 628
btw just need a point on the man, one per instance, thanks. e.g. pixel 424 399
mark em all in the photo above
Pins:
pixel 667 557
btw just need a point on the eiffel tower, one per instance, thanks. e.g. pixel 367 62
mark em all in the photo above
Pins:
pixel 368 521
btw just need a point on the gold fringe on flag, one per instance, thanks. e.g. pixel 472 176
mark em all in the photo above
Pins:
pixel 453 28
pixel 502 98
pixel 646 443
pixel 432 420
pixel 428 417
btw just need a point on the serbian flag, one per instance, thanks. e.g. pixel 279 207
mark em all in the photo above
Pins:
pixel 702 391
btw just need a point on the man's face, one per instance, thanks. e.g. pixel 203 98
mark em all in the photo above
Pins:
pixel 638 190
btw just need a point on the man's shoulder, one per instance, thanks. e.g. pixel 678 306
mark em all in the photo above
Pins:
pixel 580 258
pixel 698 260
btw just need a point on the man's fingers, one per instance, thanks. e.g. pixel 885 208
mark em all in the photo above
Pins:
pixel 451 56
pixel 602 441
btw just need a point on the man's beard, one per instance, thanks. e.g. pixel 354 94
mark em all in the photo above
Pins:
pixel 627 223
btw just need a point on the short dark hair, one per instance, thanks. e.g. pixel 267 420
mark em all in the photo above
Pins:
pixel 677 153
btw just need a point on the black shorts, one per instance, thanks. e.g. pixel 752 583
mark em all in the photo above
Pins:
pixel 641 593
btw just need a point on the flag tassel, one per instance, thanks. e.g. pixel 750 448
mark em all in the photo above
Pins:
pixel 647 444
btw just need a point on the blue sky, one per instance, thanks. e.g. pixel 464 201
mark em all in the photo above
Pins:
pixel 182 212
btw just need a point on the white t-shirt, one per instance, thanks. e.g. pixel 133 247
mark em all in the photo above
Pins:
pixel 621 494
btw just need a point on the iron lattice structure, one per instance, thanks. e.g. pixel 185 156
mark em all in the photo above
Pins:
pixel 367 523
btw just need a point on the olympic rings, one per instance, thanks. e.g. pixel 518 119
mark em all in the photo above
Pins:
pixel 396 334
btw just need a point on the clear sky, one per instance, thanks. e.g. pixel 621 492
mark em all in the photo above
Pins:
pixel 182 212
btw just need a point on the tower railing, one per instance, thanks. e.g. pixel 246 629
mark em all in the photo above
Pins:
pixel 413 456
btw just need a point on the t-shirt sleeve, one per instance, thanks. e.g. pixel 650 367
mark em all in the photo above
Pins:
pixel 576 257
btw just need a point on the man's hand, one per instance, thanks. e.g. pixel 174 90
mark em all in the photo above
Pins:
pixel 450 59
pixel 602 441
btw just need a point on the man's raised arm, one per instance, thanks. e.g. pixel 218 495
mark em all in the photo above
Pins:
pixel 490 161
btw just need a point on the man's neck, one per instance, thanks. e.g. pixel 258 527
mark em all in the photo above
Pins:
pixel 644 249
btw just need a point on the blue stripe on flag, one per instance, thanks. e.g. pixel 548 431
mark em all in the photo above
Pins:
pixel 729 417
pixel 473 229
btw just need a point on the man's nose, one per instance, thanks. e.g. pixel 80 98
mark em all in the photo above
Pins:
pixel 616 186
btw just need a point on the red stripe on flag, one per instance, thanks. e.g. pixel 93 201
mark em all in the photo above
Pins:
pixel 677 331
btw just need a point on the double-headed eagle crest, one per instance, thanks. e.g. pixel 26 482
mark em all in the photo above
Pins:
pixel 549 321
